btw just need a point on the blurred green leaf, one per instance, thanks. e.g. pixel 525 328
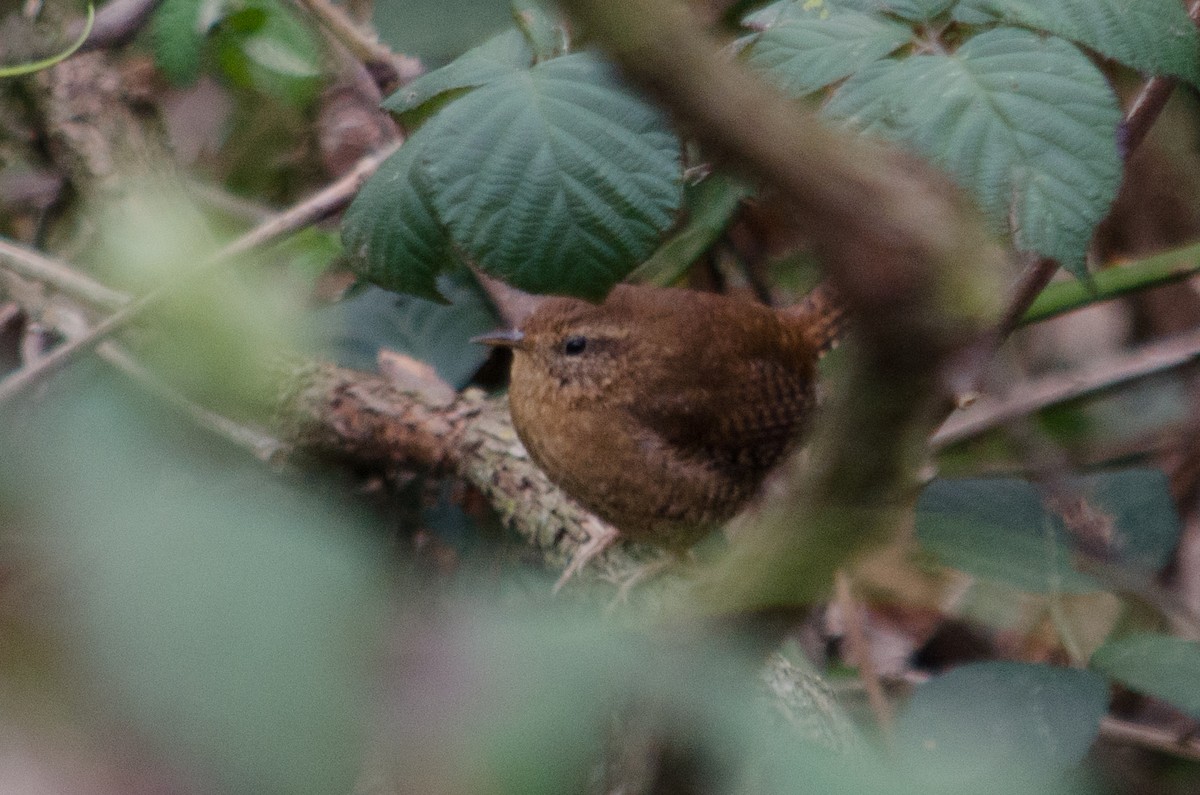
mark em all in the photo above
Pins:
pixel 811 48
pixel 1157 665
pixel 279 56
pixel 438 30
pixel 503 54
pixel 433 332
pixel 391 233
pixel 177 34
pixel 712 204
pixel 978 720
pixel 230 617
pixel 999 528
pixel 555 179
pixel 1026 122
pixel 1153 36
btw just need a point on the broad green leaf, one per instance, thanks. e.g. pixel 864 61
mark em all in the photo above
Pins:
pixel 391 234
pixel 915 10
pixel 555 179
pixel 1025 122
pixel 805 52
pixel 1152 36
pixel 1157 665
pixel 1145 525
pixel 1037 718
pixel 544 30
pixel 433 332
pixel 999 528
pixel 500 55
pixel 178 39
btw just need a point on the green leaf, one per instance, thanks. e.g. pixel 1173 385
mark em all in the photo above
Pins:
pixel 178 39
pixel 1157 665
pixel 711 204
pixel 808 51
pixel 274 52
pixel 231 617
pixel 1025 122
pixel 915 10
pixel 556 179
pixel 433 332
pixel 1145 524
pixel 391 234
pixel 1153 36
pixel 999 528
pixel 1037 718
pixel 501 55
pixel 542 28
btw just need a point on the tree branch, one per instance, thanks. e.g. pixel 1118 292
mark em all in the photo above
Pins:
pixel 320 205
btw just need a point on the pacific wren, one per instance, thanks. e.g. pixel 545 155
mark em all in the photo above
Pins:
pixel 661 410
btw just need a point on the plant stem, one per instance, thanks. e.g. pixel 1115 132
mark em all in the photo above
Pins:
pixel 1155 271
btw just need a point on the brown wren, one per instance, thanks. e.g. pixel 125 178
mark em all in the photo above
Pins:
pixel 661 410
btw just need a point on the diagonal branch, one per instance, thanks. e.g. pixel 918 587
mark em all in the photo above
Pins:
pixel 322 204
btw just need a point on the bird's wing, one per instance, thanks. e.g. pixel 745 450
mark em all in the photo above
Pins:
pixel 739 418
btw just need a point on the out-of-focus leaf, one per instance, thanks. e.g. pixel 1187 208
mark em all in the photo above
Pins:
pixel 711 206
pixel 1153 36
pixel 555 179
pixel 177 34
pixel 279 56
pixel 229 617
pixel 433 332
pixel 1032 719
pixel 999 528
pixel 1157 665
pixel 1027 123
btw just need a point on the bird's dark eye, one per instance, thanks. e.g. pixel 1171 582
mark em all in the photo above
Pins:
pixel 574 346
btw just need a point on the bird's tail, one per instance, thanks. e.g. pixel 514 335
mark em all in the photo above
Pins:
pixel 822 316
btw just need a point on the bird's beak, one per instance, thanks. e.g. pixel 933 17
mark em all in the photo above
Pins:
pixel 503 338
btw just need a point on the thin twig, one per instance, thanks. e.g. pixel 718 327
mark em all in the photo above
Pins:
pixel 307 212
pixel 989 413
pixel 364 45
pixel 1150 738
pixel 117 22
pixel 1037 274
pixel 261 445
pixel 35 265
